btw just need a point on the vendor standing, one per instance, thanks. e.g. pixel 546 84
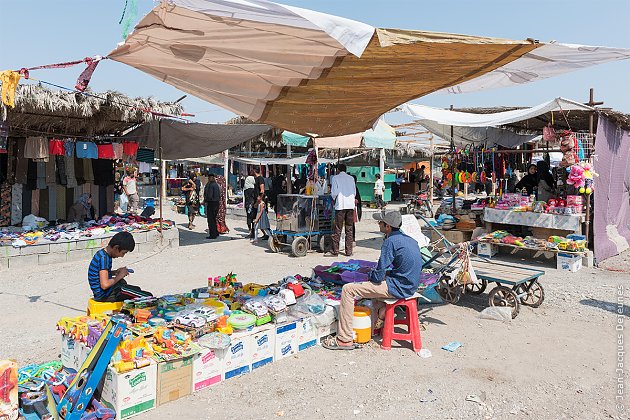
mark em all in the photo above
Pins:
pixel 397 275
pixel 342 191
pixel 212 196
pixel 529 182
pixel 130 187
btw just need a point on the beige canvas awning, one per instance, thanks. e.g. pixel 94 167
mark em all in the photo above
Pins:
pixel 301 70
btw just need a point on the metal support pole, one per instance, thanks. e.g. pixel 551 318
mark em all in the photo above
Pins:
pixel 431 162
pixel 453 169
pixel 162 187
pixel 591 131
pixel 226 173
pixel 381 164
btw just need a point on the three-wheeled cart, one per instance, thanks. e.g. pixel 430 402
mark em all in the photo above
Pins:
pixel 302 222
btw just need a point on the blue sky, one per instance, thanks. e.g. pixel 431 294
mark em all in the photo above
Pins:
pixel 43 32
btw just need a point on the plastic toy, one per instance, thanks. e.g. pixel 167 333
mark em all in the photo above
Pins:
pixel 205 312
pixel 223 326
pixel 215 340
pixel 241 320
pixel 132 354
pixel 288 297
pixel 190 320
pixel 256 307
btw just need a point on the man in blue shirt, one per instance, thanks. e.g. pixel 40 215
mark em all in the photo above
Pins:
pixel 397 275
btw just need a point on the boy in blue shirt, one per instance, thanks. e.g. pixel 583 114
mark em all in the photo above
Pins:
pixel 109 285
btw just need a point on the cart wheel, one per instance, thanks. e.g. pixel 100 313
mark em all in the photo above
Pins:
pixel 504 296
pixel 325 243
pixel 476 289
pixel 449 290
pixel 534 297
pixel 299 246
pixel 274 244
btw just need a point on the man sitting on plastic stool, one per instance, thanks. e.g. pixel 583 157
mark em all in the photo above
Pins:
pixel 397 276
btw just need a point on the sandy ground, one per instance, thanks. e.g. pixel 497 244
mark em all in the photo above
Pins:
pixel 556 361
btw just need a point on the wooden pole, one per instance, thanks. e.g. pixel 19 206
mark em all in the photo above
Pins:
pixel 431 162
pixel 226 173
pixel 453 169
pixel 591 131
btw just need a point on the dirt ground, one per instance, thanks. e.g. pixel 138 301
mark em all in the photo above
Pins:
pixel 556 361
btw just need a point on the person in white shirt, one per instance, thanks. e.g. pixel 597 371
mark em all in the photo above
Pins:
pixel 379 191
pixel 342 191
pixel 130 188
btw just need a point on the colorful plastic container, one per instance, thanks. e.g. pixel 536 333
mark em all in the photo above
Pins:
pixel 362 324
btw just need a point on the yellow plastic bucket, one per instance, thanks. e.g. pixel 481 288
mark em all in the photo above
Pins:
pixel 218 306
pixel 362 324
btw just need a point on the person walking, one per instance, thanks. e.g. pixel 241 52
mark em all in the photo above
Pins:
pixel 379 191
pixel 192 198
pixel 130 187
pixel 261 222
pixel 342 191
pixel 212 196
pixel 250 199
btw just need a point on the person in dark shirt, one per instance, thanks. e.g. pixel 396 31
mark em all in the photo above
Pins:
pixel 530 181
pixel 109 285
pixel 212 196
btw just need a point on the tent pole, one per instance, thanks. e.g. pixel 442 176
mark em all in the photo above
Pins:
pixel 453 173
pixel 226 173
pixel 591 131
pixel 431 162
pixel 163 170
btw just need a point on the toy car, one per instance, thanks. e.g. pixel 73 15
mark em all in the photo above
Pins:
pixel 190 320
pixel 255 306
pixel 208 313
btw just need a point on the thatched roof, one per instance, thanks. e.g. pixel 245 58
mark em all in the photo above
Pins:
pixel 270 142
pixel 74 114
pixel 577 120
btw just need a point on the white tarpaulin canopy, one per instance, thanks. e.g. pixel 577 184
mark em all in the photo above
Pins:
pixel 298 160
pixel 309 72
pixel 485 128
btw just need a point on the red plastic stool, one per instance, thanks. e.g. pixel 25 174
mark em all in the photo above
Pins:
pixel 411 321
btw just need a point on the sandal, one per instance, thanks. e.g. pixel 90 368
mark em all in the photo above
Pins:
pixel 331 343
pixel 378 325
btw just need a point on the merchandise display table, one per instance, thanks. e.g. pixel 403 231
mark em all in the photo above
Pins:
pixel 566 222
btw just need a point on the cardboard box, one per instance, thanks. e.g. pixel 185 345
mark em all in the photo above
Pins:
pixel 308 334
pixel 487 250
pixel 238 357
pixel 8 389
pixel 325 331
pixel 207 369
pixel 130 393
pixel 263 346
pixel 174 379
pixel 286 340
pixel 569 262
pixel 73 353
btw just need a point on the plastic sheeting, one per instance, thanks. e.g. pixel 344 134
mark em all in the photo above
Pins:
pixel 612 190
pixel 383 136
pixel 292 139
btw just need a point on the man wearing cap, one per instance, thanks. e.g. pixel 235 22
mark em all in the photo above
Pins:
pixel 402 254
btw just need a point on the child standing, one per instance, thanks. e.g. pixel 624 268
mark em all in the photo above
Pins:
pixel 261 222
pixel 109 285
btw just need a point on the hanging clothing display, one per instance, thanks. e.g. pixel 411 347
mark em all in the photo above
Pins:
pixel 16 203
pixel 71 180
pixel 41 175
pixel 103 170
pixel 144 168
pixel 130 148
pixel 21 162
pixel 43 204
pixel 36 148
pixel 145 155
pixel 62 208
pixel 68 146
pixel 61 170
pixel 78 171
pixel 56 147
pixel 88 175
pixel 52 203
pixel 10 80
pixel 105 151
pixel 27 202
pixel 118 150
pixel 86 150
pixel 5 204
pixel 51 169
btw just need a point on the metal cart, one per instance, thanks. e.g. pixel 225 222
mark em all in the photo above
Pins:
pixel 301 222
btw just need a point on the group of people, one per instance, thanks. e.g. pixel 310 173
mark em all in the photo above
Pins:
pixel 538 181
pixel 213 200
pixel 256 206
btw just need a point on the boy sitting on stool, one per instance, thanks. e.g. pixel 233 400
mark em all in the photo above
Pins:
pixel 108 285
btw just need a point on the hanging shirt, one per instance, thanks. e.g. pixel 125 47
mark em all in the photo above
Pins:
pixel 145 155
pixel 68 146
pixel 118 150
pixel 343 191
pixel 105 151
pixel 56 147
pixel 36 148
pixel 130 148
pixel 87 150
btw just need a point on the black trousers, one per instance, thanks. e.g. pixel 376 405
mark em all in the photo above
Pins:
pixel 122 291
pixel 211 213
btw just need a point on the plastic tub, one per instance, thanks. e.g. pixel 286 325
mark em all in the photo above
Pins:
pixel 362 324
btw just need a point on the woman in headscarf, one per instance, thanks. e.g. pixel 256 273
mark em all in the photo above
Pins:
pixel 530 181
pixel 82 210
pixel 221 225
pixel 546 184
pixel 192 198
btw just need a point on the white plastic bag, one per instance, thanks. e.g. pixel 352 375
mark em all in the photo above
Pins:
pixel 497 313
pixel 124 202
pixel 32 222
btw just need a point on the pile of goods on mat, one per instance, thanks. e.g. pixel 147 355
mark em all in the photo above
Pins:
pixel 572 243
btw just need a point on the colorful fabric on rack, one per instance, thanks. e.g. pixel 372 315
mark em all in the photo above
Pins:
pixel 5 204
pixel 145 155
pixel 144 168
pixel 105 151
pixel 118 150
pixel 56 147
pixel 86 150
pixel 36 148
pixel 130 148
pixel 16 203
pixel 51 172
pixel 68 146
pixel 9 80
pixel 71 180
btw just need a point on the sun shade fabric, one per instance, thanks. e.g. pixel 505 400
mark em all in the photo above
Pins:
pixel 547 61
pixel 292 139
pixel 612 190
pixel 479 135
pixel 383 136
pixel 299 160
pixel 252 58
pixel 350 141
pixel 189 140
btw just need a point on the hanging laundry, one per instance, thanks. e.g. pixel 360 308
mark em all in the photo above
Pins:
pixel 86 75
pixel 87 150
pixel 56 147
pixel 16 203
pixel 70 176
pixel 68 146
pixel 144 168
pixel 105 151
pixel 36 148
pixel 5 204
pixel 118 150
pixel 130 148
pixel 10 80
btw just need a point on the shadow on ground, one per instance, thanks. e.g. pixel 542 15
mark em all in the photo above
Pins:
pixel 612 307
